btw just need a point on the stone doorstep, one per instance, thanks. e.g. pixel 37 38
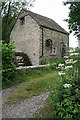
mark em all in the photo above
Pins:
pixel 31 67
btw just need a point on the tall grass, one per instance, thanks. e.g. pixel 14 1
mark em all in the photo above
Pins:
pixel 34 86
pixel 25 75
pixel 34 82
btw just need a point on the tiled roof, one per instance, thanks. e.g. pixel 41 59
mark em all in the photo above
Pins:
pixel 46 22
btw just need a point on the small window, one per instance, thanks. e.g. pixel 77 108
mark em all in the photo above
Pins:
pixel 48 43
pixel 63 50
pixel 22 21
pixel 54 50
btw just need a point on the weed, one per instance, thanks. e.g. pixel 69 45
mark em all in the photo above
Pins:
pixel 35 86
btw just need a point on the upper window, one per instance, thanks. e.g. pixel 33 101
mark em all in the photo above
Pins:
pixel 22 20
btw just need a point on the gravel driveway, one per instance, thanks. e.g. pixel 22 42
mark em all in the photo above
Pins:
pixel 24 109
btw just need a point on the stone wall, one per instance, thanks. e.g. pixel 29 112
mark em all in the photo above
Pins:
pixel 57 38
pixel 26 37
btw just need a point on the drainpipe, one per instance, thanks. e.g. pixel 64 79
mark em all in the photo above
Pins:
pixel 42 40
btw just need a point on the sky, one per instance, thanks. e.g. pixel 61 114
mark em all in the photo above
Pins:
pixel 55 10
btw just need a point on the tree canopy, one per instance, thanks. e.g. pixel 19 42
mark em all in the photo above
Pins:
pixel 9 12
pixel 74 18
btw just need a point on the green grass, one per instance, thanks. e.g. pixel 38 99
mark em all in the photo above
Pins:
pixel 57 61
pixel 20 76
pixel 35 84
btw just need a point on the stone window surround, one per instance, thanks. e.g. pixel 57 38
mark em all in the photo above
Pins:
pixel 52 47
pixel 54 50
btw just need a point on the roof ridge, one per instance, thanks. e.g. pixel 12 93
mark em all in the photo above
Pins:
pixel 37 14
pixel 45 21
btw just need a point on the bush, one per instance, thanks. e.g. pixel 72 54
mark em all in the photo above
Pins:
pixel 19 77
pixel 8 67
pixel 65 100
pixel 51 61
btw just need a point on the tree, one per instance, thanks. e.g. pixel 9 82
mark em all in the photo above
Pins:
pixel 9 13
pixel 8 67
pixel 74 17
pixel 74 24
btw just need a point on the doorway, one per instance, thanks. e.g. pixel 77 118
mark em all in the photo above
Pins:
pixel 63 50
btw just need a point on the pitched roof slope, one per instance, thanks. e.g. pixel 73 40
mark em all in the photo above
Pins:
pixel 46 22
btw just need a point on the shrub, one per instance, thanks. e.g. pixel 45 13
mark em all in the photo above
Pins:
pixel 65 100
pixel 8 67
pixel 19 77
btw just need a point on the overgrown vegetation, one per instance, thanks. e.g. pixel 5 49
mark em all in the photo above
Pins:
pixel 52 62
pixel 9 12
pixel 74 17
pixel 8 67
pixel 65 100
pixel 23 74
pixel 35 83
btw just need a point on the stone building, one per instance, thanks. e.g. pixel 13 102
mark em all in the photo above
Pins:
pixel 38 38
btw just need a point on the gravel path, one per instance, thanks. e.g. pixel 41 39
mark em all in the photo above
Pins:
pixel 8 91
pixel 24 109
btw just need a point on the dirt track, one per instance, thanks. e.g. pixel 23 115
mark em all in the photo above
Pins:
pixel 24 109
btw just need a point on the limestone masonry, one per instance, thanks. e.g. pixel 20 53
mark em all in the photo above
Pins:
pixel 39 37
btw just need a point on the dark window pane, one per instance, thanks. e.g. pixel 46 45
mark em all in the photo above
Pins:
pixel 22 21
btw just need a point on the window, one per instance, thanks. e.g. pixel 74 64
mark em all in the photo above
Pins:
pixel 48 43
pixel 49 46
pixel 22 20
pixel 54 50
pixel 63 50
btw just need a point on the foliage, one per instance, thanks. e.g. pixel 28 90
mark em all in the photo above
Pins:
pixel 23 75
pixel 19 77
pixel 36 83
pixel 8 67
pixel 74 17
pixel 9 12
pixel 65 100
pixel 7 27
pixel 57 61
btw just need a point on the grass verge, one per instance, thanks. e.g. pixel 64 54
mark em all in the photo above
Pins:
pixel 35 84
